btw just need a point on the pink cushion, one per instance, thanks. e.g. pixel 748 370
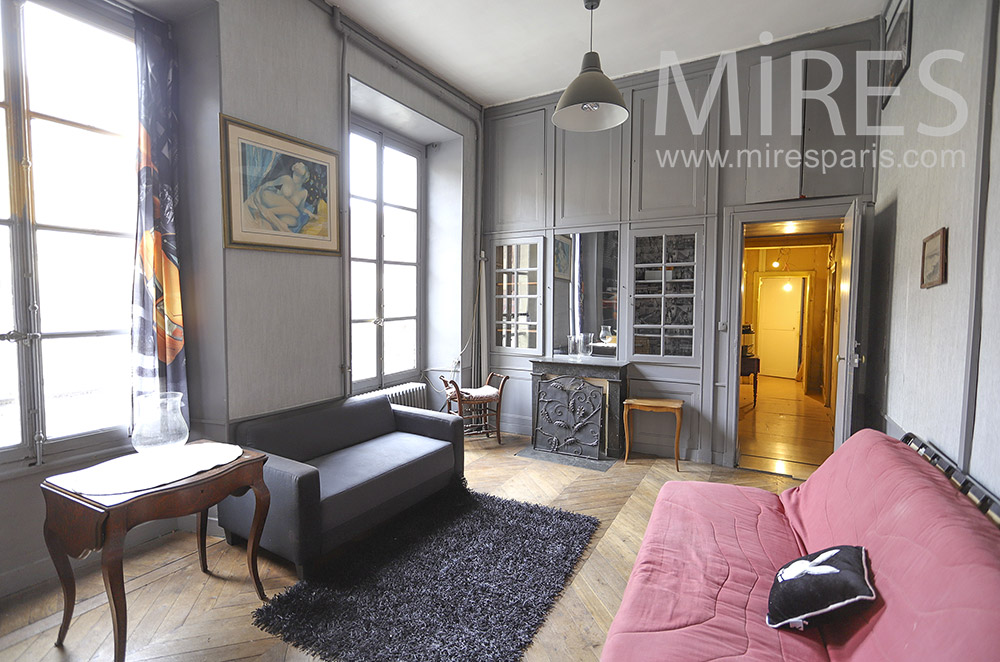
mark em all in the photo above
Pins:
pixel 699 587
pixel 935 559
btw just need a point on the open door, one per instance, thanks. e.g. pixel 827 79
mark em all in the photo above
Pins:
pixel 850 350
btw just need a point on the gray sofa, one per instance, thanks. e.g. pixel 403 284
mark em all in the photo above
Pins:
pixel 337 469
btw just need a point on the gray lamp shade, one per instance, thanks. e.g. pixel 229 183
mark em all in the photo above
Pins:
pixel 591 102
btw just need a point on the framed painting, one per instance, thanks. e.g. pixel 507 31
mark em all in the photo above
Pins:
pixel 898 35
pixel 934 260
pixel 562 257
pixel 279 192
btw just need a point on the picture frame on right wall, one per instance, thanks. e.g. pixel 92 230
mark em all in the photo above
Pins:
pixel 898 35
pixel 934 260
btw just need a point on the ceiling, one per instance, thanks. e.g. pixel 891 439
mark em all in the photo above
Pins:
pixel 503 50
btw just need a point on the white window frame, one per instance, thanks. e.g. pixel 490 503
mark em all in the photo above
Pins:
pixel 542 276
pixel 386 138
pixel 34 448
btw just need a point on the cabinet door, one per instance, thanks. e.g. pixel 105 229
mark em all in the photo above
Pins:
pixel 588 177
pixel 519 171
pixel 661 189
pixel 843 177
pixel 769 178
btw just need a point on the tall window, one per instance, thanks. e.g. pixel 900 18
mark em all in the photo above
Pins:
pixel 67 229
pixel 385 249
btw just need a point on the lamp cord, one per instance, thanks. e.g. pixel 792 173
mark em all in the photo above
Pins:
pixel 591 30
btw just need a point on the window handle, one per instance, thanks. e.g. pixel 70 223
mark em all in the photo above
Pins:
pixel 19 336
pixel 378 321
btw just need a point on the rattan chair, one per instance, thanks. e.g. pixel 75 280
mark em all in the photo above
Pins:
pixel 477 405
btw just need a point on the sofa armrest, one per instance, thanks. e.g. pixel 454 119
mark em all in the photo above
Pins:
pixel 292 528
pixel 436 425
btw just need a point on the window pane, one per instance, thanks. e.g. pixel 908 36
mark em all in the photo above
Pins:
pixel 95 85
pixel 363 168
pixel 10 408
pixel 363 351
pixel 84 282
pixel 4 165
pixel 363 229
pixel 399 178
pixel 100 194
pixel 87 384
pixel 399 291
pixel 400 231
pixel 400 346
pixel 363 300
pixel 649 250
pixel 6 282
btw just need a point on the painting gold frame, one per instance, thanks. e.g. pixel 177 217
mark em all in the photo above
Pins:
pixel 279 192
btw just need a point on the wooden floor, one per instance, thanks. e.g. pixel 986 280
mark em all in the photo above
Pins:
pixel 787 432
pixel 177 613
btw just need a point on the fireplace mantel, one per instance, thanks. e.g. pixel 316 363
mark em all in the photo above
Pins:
pixel 614 375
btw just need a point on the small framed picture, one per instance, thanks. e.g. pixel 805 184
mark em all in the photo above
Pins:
pixel 279 192
pixel 934 263
pixel 898 34
pixel 562 257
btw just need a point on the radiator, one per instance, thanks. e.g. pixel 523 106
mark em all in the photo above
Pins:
pixel 411 394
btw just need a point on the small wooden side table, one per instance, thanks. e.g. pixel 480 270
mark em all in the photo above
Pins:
pixel 750 366
pixel 655 404
pixel 76 525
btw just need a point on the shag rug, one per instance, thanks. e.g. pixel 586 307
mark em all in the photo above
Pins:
pixel 462 576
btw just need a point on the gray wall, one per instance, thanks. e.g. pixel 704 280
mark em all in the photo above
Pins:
pixel 921 381
pixel 283 310
pixel 985 464
pixel 927 335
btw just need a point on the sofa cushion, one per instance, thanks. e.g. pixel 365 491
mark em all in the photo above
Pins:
pixel 933 556
pixel 699 586
pixel 818 583
pixel 354 478
pixel 308 433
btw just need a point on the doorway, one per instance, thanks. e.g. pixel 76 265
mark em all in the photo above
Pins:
pixel 790 314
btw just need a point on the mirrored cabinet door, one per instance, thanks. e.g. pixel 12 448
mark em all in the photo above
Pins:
pixel 665 297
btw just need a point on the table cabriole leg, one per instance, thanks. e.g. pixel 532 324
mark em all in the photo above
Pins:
pixel 628 432
pixel 65 572
pixel 262 499
pixel 202 535
pixel 114 583
pixel 677 440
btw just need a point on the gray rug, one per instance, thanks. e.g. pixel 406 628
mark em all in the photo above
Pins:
pixel 463 576
pixel 571 460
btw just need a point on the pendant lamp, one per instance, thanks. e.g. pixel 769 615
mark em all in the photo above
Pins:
pixel 591 102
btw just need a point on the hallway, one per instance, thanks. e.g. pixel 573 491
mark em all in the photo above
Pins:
pixel 787 432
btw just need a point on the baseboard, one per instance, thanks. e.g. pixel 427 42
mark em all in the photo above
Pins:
pixel 189 523
pixel 516 424
pixel 41 570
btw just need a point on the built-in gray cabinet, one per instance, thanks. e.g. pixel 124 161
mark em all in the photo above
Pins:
pixel 665 184
pixel 820 136
pixel 588 177
pixel 771 179
pixel 519 172
pixel 807 155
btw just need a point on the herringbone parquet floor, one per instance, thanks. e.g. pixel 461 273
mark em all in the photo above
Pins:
pixel 177 613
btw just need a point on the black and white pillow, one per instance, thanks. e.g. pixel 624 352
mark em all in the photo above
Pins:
pixel 818 583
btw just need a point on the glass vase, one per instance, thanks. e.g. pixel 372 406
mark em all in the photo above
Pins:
pixel 159 422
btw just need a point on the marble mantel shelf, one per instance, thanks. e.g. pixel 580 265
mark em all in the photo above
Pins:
pixel 613 371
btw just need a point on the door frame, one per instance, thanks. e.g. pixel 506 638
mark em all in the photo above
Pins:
pixel 734 220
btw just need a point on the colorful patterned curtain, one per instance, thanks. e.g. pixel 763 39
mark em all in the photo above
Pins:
pixel 157 322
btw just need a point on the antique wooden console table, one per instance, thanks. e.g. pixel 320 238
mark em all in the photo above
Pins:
pixel 612 372
pixel 77 524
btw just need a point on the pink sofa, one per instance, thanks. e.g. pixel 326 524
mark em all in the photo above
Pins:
pixel 699 587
